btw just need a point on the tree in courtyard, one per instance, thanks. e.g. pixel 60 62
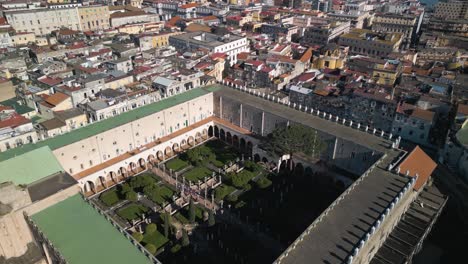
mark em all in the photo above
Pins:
pixel 200 155
pixel 131 196
pixel 141 181
pixel 151 228
pixel 151 248
pixel 125 188
pixel 211 218
pixel 137 236
pixel 185 238
pixel 167 222
pixel 191 211
pixel 294 139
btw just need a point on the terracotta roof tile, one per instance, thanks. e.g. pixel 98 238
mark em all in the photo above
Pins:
pixel 56 98
pixel 418 162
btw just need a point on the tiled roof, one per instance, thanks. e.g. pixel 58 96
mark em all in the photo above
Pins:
pixel 418 162
pixel 423 114
pixel 50 81
pixel 15 120
pixel 56 98
pixel 189 5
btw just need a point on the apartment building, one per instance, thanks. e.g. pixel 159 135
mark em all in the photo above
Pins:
pixel 43 21
pixel 451 10
pixel 229 44
pixel 326 33
pixel 399 23
pixel 94 17
pixel 367 42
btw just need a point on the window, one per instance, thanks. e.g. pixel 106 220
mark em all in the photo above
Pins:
pixel 75 157
pixel 81 165
pixel 90 163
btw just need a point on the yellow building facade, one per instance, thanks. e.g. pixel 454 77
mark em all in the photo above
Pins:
pixel 94 17
pixel 330 58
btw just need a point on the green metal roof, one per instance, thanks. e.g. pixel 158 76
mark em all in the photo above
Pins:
pixel 106 124
pixel 83 236
pixel 20 109
pixel 29 167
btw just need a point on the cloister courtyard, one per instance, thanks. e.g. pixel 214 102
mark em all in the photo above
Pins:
pixel 211 200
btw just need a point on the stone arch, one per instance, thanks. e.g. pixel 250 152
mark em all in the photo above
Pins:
pixel 191 141
pixel 112 176
pixel 122 172
pixel 210 131
pixel 101 181
pixel 131 166
pixel 235 141
pixel 229 138
pixel 142 163
pixel 222 134
pixel 204 133
pixel 216 131
pixel 256 158
pixel 243 144
pixel 160 155
pixel 183 144
pixel 198 137
pixel 168 151
pixel 89 187
pixel 176 147
pixel 249 147
pixel 264 160
pixel 151 158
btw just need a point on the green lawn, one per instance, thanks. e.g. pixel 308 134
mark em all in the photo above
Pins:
pixel 222 191
pixel 132 211
pixel 176 164
pixel 183 215
pixel 163 194
pixel 224 153
pixel 155 238
pixel 197 173
pixel 110 197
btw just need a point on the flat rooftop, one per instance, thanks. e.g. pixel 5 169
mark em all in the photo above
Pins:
pixel 29 167
pixel 334 238
pixel 327 126
pixel 83 236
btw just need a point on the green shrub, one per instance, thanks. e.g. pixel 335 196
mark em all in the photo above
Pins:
pixel 151 228
pixel 217 163
pixel 131 196
pixel 151 248
pixel 110 198
pixel 137 236
pixel 232 198
pixel 247 187
pixel 176 164
pixel 176 248
pixel 252 166
pixel 222 191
